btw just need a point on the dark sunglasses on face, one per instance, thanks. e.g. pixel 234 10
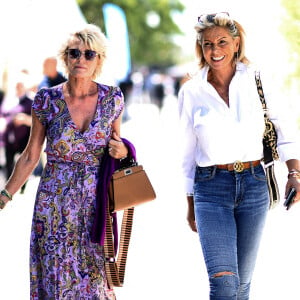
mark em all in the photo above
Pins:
pixel 76 53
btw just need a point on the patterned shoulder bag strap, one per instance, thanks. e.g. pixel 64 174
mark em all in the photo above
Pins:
pixel 270 135
pixel 261 93
pixel 270 145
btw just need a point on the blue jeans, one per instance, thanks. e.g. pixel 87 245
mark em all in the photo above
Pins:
pixel 230 212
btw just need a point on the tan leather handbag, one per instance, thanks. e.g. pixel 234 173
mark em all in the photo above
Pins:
pixel 130 187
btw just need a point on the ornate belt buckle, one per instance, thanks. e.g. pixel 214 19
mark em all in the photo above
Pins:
pixel 238 166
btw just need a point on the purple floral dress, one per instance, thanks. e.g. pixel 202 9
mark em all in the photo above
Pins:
pixel 64 263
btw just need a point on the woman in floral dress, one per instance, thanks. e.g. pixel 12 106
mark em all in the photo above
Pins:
pixel 79 119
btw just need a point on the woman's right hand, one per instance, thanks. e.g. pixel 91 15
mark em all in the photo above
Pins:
pixel 191 213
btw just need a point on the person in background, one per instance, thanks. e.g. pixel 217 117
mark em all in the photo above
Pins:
pixel 2 119
pixel 79 118
pixel 222 123
pixel 2 130
pixel 17 131
pixel 156 88
pixel 126 87
pixel 1 96
pixel 51 75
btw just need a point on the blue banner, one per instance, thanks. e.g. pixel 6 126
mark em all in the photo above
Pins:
pixel 117 34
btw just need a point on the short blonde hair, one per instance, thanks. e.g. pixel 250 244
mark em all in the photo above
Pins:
pixel 222 20
pixel 92 37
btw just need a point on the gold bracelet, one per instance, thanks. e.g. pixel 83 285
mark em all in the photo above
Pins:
pixel 6 193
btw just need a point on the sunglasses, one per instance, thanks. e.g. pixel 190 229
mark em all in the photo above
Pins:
pixel 210 17
pixel 76 53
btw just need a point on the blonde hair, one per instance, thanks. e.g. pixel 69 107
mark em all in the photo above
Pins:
pixel 93 38
pixel 222 20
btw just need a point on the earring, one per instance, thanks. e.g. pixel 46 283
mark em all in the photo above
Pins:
pixel 236 57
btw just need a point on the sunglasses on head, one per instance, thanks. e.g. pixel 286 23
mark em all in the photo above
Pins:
pixel 76 53
pixel 210 17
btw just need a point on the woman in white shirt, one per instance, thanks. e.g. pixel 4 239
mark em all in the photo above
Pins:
pixel 222 121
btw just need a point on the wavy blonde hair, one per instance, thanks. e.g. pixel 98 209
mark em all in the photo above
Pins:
pixel 223 20
pixel 93 38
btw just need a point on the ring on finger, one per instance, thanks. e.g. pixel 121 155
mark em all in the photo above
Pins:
pixel 109 149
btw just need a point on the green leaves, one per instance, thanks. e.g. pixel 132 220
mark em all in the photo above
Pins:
pixel 150 26
pixel 291 30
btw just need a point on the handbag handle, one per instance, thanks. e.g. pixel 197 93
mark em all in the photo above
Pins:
pixel 115 268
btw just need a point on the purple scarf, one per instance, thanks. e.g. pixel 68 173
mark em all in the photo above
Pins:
pixel 108 166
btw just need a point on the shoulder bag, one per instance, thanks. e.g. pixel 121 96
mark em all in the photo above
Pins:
pixel 270 147
pixel 129 187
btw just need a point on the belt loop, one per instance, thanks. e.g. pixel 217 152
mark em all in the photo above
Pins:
pixel 252 167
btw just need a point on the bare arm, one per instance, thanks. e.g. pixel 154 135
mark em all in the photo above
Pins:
pixel 191 213
pixel 117 149
pixel 28 160
pixel 293 164
pixel 293 180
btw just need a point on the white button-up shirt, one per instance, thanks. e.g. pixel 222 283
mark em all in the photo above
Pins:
pixel 213 133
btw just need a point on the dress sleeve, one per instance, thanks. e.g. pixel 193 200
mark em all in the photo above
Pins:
pixel 40 106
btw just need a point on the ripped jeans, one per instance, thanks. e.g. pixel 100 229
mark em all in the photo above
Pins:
pixel 230 212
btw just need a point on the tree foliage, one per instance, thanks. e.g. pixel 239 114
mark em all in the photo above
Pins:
pixel 148 45
pixel 291 30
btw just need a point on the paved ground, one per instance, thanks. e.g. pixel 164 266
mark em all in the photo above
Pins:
pixel 165 260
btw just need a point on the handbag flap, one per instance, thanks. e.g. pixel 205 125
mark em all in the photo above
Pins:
pixel 126 171
pixel 130 187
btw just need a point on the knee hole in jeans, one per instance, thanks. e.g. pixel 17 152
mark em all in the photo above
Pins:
pixel 224 284
pixel 222 274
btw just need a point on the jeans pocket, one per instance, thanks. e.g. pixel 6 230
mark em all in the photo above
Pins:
pixel 258 173
pixel 205 173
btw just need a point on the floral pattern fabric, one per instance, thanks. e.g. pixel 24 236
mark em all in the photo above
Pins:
pixel 64 263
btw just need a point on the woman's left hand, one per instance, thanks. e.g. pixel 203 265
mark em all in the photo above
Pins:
pixel 293 182
pixel 116 147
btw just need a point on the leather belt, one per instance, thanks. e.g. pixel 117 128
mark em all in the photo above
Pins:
pixel 239 166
